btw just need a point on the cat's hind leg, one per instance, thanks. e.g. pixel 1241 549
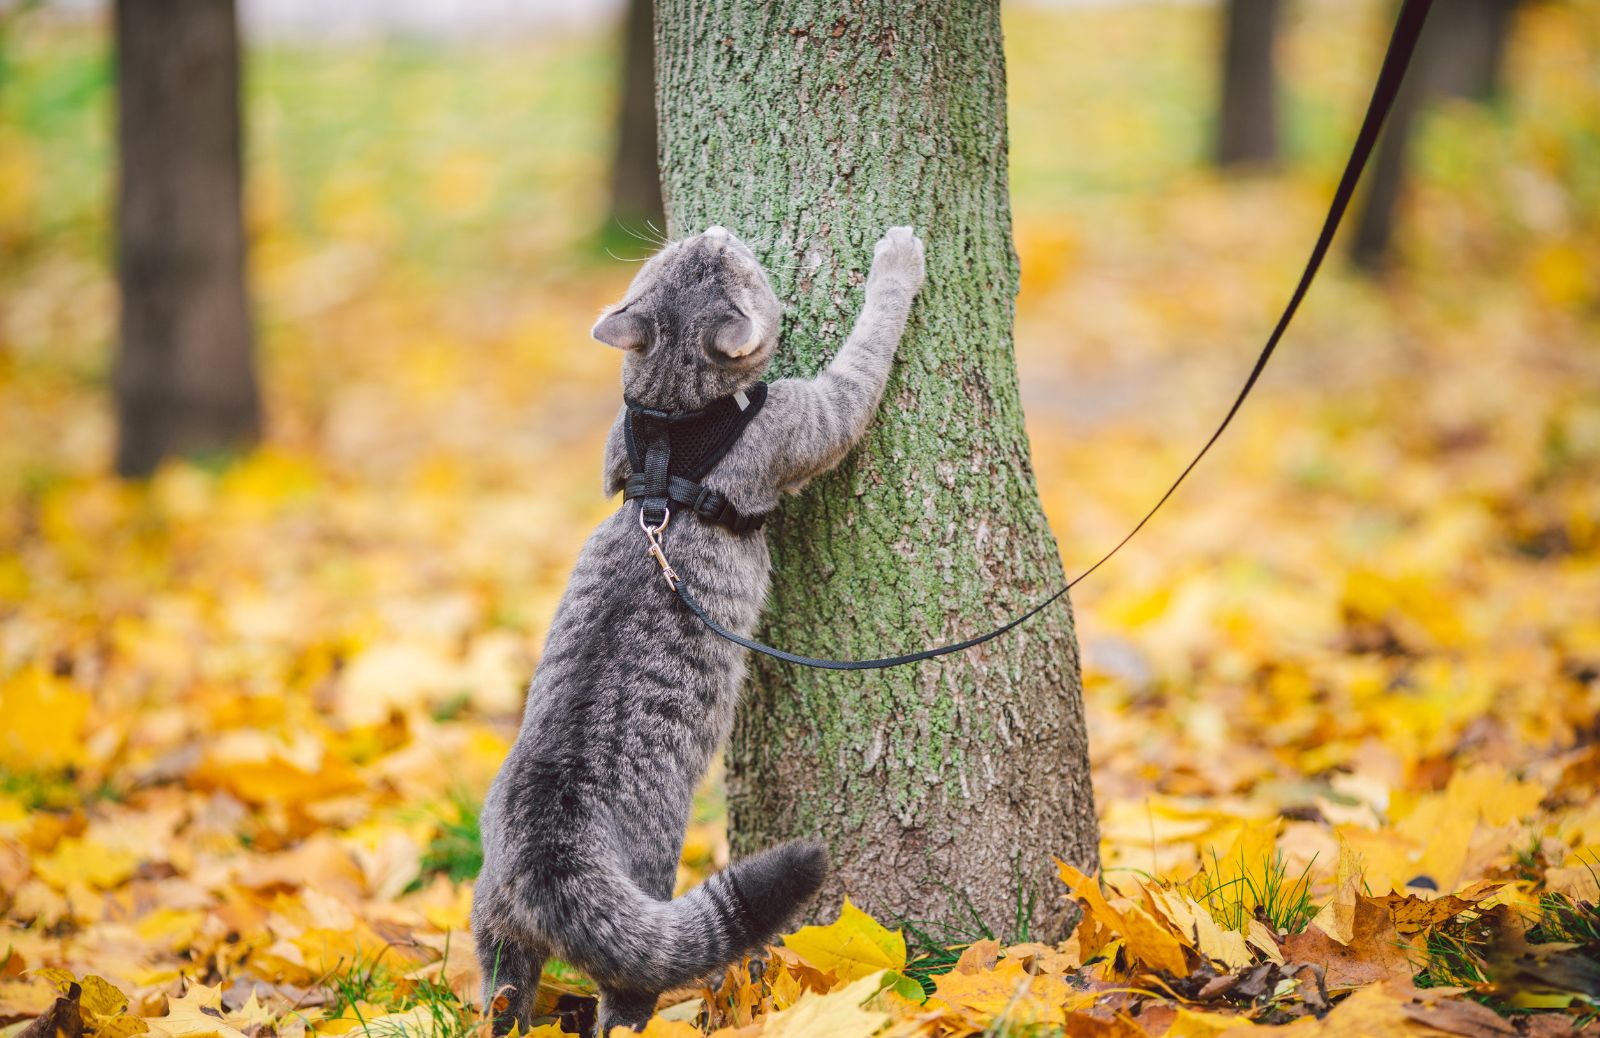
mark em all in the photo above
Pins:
pixel 511 970
pixel 509 963
pixel 620 1007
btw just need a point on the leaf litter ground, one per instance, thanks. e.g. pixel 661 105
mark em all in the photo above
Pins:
pixel 1342 697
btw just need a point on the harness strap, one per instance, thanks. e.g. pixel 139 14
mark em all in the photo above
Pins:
pixel 1401 45
pixel 708 504
pixel 653 484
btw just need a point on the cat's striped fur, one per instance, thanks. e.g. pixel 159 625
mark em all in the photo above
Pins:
pixel 583 826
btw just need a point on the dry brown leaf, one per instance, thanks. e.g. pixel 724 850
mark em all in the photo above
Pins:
pixel 1083 1025
pixel 1374 952
pixel 1461 1017
pixel 1581 881
pixel 63 1019
pixel 1414 915
pixel 1044 958
pixel 978 956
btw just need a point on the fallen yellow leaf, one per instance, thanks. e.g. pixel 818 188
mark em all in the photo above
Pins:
pixel 45 720
pixel 851 947
pixel 1004 996
pixel 83 862
pixel 1338 917
pixel 197 1014
pixel 837 1014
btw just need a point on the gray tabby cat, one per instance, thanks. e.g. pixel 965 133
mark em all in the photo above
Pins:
pixel 584 823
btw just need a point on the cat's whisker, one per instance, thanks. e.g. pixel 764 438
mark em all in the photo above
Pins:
pixel 624 259
pixel 632 233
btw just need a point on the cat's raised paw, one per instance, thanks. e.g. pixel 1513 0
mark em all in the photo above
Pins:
pixel 897 260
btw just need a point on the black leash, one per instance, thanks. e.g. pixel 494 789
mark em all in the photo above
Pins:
pixel 1401 44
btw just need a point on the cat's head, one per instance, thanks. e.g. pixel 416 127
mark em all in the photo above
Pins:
pixel 699 322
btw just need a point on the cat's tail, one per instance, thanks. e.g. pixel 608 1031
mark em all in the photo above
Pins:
pixel 609 928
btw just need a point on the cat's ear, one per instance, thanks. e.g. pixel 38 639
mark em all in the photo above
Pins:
pixel 621 329
pixel 736 338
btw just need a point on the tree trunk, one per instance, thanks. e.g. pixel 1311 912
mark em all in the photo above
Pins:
pixel 1459 54
pixel 635 177
pixel 1385 180
pixel 1247 125
pixel 1468 48
pixel 943 789
pixel 185 381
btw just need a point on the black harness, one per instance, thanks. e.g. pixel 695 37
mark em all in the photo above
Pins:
pixel 672 451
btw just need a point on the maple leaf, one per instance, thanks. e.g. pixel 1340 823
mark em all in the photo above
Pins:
pixel 1415 915
pixel 101 998
pixel 837 1014
pixel 1044 958
pixel 80 862
pixel 1117 1025
pixel 1146 939
pixel 1374 952
pixel 1197 927
pixel 197 1014
pixel 45 718
pixel 123 1025
pixel 851 947
pixel 1193 1023
pixel 1004 994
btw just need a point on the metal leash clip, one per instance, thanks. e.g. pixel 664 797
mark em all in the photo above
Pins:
pixel 653 535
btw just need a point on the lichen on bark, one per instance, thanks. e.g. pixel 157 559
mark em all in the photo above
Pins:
pixel 943 789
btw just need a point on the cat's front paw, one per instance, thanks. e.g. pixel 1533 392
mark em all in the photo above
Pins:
pixel 897 263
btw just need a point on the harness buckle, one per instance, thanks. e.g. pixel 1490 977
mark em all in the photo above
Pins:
pixel 652 534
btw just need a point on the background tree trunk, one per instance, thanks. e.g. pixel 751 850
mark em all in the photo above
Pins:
pixel 635 177
pixel 1247 124
pixel 1459 54
pixel 943 789
pixel 185 381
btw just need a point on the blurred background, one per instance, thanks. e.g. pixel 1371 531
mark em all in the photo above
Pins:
pixel 312 628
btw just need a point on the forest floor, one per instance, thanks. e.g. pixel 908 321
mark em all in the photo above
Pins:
pixel 1342 695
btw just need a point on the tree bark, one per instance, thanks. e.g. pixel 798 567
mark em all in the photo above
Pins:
pixel 185 378
pixel 635 175
pixel 1468 48
pixel 943 789
pixel 1247 124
